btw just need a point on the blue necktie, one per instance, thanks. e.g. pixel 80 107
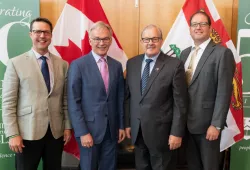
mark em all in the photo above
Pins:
pixel 45 72
pixel 145 75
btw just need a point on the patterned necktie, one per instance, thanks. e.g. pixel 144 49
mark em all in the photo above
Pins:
pixel 45 72
pixel 190 69
pixel 145 75
pixel 104 72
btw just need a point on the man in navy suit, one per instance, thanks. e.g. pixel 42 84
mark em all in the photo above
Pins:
pixel 95 102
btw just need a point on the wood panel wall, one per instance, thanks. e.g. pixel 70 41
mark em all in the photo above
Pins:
pixel 127 20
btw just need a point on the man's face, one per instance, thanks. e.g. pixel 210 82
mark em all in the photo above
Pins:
pixel 151 41
pixel 41 37
pixel 100 41
pixel 199 29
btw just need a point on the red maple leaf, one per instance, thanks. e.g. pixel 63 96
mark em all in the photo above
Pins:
pixel 86 48
pixel 72 51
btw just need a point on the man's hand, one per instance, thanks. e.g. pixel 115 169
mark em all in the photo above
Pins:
pixel 87 141
pixel 66 136
pixel 121 135
pixel 174 142
pixel 16 144
pixel 212 133
pixel 128 132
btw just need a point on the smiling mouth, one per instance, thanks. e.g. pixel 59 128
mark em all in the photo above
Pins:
pixel 42 41
pixel 198 32
pixel 150 48
pixel 102 48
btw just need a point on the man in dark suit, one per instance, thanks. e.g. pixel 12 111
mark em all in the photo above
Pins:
pixel 209 72
pixel 95 102
pixel 35 114
pixel 155 104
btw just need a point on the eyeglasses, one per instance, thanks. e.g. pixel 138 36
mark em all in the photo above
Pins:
pixel 99 40
pixel 39 32
pixel 201 24
pixel 154 39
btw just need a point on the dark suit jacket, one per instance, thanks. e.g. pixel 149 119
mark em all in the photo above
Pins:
pixel 210 89
pixel 90 108
pixel 161 111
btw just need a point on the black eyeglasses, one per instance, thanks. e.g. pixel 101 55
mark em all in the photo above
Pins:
pixel 201 24
pixel 39 32
pixel 154 39
pixel 104 40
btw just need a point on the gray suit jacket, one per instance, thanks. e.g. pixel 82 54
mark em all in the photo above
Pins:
pixel 161 111
pixel 210 88
pixel 27 108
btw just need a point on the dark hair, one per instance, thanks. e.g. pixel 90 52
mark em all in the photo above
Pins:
pixel 203 13
pixel 40 19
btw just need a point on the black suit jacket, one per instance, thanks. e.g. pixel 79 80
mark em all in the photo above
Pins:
pixel 210 89
pixel 161 111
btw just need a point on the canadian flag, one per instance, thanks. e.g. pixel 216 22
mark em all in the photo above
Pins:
pixel 70 39
pixel 179 38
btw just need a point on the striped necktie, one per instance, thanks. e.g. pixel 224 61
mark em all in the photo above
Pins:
pixel 145 75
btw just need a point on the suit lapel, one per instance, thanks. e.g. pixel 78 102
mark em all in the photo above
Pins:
pixel 155 71
pixel 111 74
pixel 37 70
pixel 186 54
pixel 203 59
pixel 137 73
pixel 55 71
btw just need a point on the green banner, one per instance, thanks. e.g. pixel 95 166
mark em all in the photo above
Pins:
pixel 240 152
pixel 15 16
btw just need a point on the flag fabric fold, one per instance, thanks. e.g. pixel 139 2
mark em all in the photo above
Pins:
pixel 70 39
pixel 179 38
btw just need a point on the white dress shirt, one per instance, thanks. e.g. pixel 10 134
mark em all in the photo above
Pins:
pixel 199 54
pixel 151 65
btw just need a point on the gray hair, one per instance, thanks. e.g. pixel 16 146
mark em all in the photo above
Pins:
pixel 152 26
pixel 101 24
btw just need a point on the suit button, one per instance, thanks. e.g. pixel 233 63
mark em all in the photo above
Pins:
pixel 106 115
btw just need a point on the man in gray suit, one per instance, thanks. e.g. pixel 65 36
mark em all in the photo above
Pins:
pixel 34 103
pixel 155 104
pixel 209 72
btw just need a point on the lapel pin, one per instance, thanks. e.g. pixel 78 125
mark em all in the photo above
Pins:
pixel 156 69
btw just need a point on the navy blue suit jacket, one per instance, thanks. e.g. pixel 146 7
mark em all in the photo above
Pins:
pixel 90 107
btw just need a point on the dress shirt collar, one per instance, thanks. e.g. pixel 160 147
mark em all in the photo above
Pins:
pixel 97 57
pixel 202 45
pixel 154 58
pixel 39 55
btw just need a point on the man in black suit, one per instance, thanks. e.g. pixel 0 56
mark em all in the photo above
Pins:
pixel 209 72
pixel 155 104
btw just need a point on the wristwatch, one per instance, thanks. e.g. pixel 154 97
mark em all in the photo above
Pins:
pixel 218 128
